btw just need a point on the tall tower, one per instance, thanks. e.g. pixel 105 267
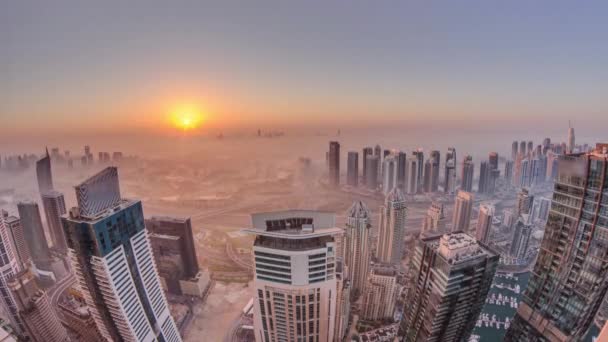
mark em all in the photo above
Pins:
pixel 521 238
pixel 412 176
pixel 113 262
pixel 484 171
pixel 389 177
pixel 368 151
pixel 371 172
pixel 180 228
pixel 484 223
pixel 524 202
pixel 462 211
pixel 36 240
pixel 334 163
pixel 392 228
pixel 468 169
pixel 378 153
pixel 352 171
pixel 514 150
pixel 452 276
pixel 571 139
pixel 295 281
pixel 43 173
pixel 9 266
pixel 54 207
pixel 522 148
pixel 38 317
pixel 419 154
pixel 570 276
pixel 357 245
pixel 401 169
pixel 450 171
pixel 14 233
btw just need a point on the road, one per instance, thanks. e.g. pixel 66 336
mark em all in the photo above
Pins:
pixel 55 293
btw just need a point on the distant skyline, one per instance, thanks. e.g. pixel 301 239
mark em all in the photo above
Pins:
pixel 67 67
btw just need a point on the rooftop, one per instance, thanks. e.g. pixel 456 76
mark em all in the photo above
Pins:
pixel 458 247
pixel 294 224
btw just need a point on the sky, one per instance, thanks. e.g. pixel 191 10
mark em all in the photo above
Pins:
pixel 120 66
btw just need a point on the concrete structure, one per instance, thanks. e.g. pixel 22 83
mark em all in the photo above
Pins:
pixel 434 177
pixel 352 171
pixel 357 245
pixel 412 176
pixel 343 294
pixel 468 170
pixel 521 238
pixel 389 174
pixel 380 293
pixel 75 315
pixel 452 276
pixel 509 171
pixel 334 163
pixel 44 174
pixel 571 140
pixel 514 150
pixel 419 156
pixel 36 239
pixel 295 276
pixel 434 220
pixel 196 286
pixel 461 220
pixel 450 171
pixel 523 205
pixel 570 277
pixel 392 228
pixel 484 223
pixel 114 264
pixel 54 207
pixel 371 173
pixel 38 317
pixel 9 267
pixel 15 234
pixel 378 154
pixel 401 170
pixel 367 151
pixel 484 171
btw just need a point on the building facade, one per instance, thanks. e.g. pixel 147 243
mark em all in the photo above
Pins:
pixel 484 223
pixel 352 170
pixel 357 245
pixel 380 293
pixel 334 163
pixel 392 228
pixel 461 221
pixel 54 207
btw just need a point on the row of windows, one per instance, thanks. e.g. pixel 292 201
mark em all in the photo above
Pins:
pixel 270 255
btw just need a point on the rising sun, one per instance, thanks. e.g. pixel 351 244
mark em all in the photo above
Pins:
pixel 186 117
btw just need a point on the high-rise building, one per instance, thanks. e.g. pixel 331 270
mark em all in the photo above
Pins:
pixel 462 211
pixel 435 161
pixel 452 276
pixel 9 267
pixel 509 172
pixel 412 176
pixel 522 148
pixel 552 162
pixel 571 140
pixel 378 153
pixel 419 156
pixel 389 177
pixel 357 245
pixel 295 282
pixel 401 169
pixel 39 318
pixel 521 238
pixel 33 230
pixel 54 207
pixel 484 223
pixel 368 151
pixel 427 176
pixel 174 250
pixel 392 228
pixel 493 160
pixel 540 209
pixel 380 293
pixel 352 171
pixel 468 169
pixel 484 171
pixel 450 171
pixel 530 149
pixel 75 316
pixel 334 163
pixel 570 276
pixel 343 294
pixel 524 202
pixel 114 264
pixel 371 172
pixel 15 234
pixel 514 150
pixel 434 221
pixel 546 145
pixel 44 174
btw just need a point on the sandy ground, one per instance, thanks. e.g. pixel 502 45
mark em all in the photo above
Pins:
pixel 223 306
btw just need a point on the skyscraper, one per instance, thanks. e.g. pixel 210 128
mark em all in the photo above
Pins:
pixel 44 174
pixel 452 276
pixel 378 153
pixel 371 172
pixel 389 177
pixel 401 169
pixel 434 221
pixel 39 318
pixel 54 206
pixel 450 171
pixel 334 163
pixel 571 139
pixel 427 176
pixel 530 150
pixel 380 293
pixel 514 150
pixel 521 238
pixel 357 245
pixel 435 161
pixel 462 211
pixel 412 175
pixel 9 267
pixel 484 223
pixel 295 282
pixel 352 171
pixel 392 228
pixel 509 172
pixel 14 233
pixel 343 302
pixel 113 262
pixel 468 169
pixel 570 276
pixel 368 151
pixel 419 154
pixel 522 148
pixel 484 171
pixel 33 230
pixel 523 205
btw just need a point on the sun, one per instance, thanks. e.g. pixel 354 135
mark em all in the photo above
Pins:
pixel 186 117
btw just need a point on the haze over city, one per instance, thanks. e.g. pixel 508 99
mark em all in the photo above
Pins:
pixel 303 171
